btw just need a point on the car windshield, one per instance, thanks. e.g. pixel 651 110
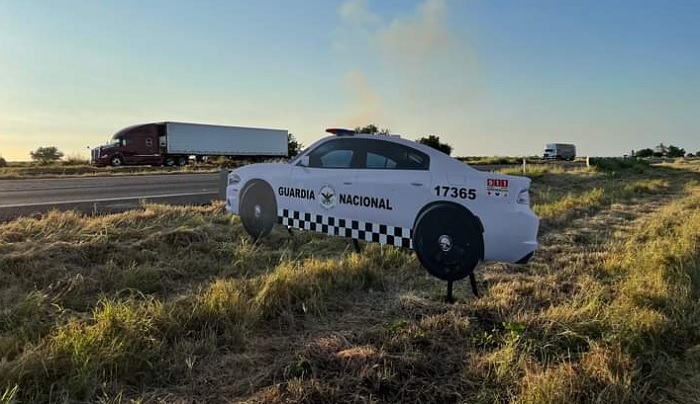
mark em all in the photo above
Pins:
pixel 296 158
pixel 114 141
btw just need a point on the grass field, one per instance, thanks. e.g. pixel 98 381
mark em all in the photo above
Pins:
pixel 176 304
pixel 18 171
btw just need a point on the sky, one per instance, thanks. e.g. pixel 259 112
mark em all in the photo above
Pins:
pixel 489 77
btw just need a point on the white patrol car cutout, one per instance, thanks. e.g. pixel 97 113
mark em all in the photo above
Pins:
pixel 392 191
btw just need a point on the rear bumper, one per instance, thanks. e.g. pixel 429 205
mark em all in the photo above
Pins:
pixel 525 259
pixel 511 237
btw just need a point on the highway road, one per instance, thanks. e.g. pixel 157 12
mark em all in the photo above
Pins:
pixel 104 194
pixel 116 193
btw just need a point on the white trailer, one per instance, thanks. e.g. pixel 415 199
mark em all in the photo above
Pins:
pixel 215 140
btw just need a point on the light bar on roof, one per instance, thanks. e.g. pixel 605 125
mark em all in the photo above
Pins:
pixel 341 132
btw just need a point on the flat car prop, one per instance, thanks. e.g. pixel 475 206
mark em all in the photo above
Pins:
pixel 393 191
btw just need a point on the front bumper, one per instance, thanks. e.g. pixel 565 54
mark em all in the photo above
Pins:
pixel 232 198
pixel 101 162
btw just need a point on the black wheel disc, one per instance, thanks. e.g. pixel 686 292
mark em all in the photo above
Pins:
pixel 448 242
pixel 258 210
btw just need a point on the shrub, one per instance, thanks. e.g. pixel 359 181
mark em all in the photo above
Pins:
pixel 46 155
pixel 434 142
pixel 75 160
pixel 3 162
pixel 612 164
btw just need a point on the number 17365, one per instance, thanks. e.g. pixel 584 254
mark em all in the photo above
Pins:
pixel 454 192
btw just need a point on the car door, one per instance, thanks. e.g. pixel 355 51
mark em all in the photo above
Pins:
pixel 399 177
pixel 310 201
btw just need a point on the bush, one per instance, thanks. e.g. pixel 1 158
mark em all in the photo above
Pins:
pixel 294 146
pixel 75 160
pixel 3 162
pixel 434 142
pixel 45 155
pixel 611 164
pixel 372 129
pixel 645 153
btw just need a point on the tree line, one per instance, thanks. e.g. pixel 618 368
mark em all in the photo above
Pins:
pixel 372 129
pixel 664 151
pixel 295 147
pixel 430 140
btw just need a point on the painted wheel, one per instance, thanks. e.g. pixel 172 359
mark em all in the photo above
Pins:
pixel 258 209
pixel 116 161
pixel 448 241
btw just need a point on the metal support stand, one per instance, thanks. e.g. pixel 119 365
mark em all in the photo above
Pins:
pixel 357 245
pixel 449 298
pixel 472 280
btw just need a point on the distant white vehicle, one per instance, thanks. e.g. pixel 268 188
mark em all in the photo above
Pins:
pixel 559 151
pixel 393 191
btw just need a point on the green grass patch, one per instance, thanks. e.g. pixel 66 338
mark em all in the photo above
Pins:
pixel 570 204
pixel 614 164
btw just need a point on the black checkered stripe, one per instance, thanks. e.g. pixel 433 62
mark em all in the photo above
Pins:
pixel 373 232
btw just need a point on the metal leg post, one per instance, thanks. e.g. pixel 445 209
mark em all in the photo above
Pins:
pixel 472 280
pixel 449 298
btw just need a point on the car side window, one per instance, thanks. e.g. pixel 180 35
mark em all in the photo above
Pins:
pixel 390 155
pixel 337 153
pixel 375 161
pixel 337 159
pixel 416 160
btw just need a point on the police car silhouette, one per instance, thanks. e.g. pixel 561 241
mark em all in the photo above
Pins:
pixel 393 191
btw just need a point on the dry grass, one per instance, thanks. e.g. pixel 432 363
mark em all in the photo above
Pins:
pixel 77 169
pixel 176 304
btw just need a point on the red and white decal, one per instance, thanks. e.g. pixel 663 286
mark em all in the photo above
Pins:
pixel 497 187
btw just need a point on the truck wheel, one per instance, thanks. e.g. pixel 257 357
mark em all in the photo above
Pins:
pixel 448 241
pixel 182 161
pixel 258 209
pixel 169 161
pixel 116 161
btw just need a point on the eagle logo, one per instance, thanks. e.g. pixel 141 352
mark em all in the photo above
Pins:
pixel 327 199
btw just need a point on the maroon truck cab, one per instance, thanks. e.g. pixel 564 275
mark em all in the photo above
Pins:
pixel 136 145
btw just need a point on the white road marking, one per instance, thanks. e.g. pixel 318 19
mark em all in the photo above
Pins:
pixel 123 198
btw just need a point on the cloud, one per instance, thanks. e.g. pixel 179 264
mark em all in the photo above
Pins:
pixel 418 36
pixel 365 104
pixel 422 64
pixel 355 36
pixel 356 12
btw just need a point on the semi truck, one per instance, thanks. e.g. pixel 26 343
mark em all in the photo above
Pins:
pixel 174 143
pixel 559 151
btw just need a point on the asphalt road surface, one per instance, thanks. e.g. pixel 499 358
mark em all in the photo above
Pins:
pixel 104 194
pixel 118 193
